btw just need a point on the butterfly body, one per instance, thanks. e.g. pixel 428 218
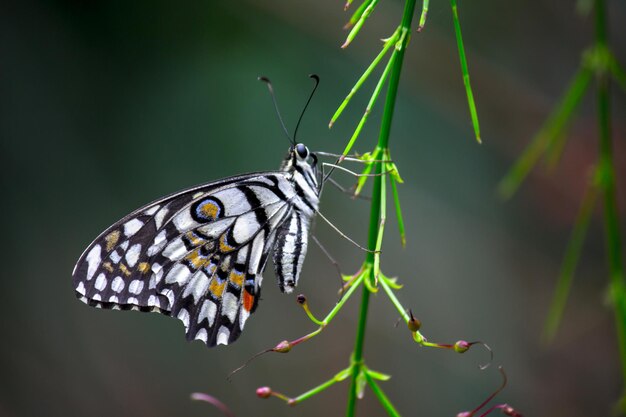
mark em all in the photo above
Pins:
pixel 199 255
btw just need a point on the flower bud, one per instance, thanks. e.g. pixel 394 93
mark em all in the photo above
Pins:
pixel 282 347
pixel 301 299
pixel 461 346
pixel 264 392
pixel 413 324
pixel 465 414
pixel 510 411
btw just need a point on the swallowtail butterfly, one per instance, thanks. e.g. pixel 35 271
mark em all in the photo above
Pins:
pixel 199 254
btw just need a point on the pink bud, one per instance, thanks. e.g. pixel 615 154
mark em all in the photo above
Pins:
pixel 263 392
pixel 465 414
pixel 301 299
pixel 283 347
pixel 461 346
pixel 510 411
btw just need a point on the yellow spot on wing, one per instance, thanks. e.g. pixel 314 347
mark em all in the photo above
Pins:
pixel 124 270
pixel 111 239
pixel 217 288
pixel 236 277
pixel 209 209
pixel 225 247
pixel 196 259
pixel 107 265
pixel 143 267
pixel 195 240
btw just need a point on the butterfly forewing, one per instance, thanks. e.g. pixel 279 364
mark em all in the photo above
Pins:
pixel 197 255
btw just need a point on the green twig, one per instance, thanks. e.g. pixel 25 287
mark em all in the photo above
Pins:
pixel 384 400
pixel 465 71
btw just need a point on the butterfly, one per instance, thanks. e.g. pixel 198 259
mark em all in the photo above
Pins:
pixel 199 255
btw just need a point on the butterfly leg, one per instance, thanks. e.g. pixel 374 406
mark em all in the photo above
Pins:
pixel 329 256
pixel 349 191
pixel 356 174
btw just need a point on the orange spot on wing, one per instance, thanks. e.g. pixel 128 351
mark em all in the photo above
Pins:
pixel 124 270
pixel 143 267
pixel 248 300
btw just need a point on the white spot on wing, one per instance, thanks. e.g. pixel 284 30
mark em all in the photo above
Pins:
pixel 93 259
pixel 179 274
pixel 175 250
pixel 207 311
pixel 118 284
pixel 159 241
pixel 197 286
pixel 234 201
pixel 256 252
pixel 132 226
pixel 184 222
pixel 81 288
pixel 183 315
pixel 230 306
pixel 101 282
pixel 245 227
pixel 151 210
pixel 97 297
pixel 158 219
pixel 133 255
pixel 243 316
pixel 113 299
pixel 222 335
pixel 153 301
pixel 132 300
pixel 201 335
pixel 135 286
pixel 216 228
pixel 115 257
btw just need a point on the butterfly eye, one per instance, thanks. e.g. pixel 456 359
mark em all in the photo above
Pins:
pixel 302 151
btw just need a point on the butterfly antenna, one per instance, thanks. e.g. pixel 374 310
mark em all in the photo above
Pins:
pixel 271 90
pixel 317 82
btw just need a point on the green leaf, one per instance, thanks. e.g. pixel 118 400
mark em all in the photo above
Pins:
pixel 360 385
pixel 378 375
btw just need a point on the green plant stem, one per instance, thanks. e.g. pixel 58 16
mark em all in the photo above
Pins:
pixel 383 141
pixel 384 400
pixel 607 178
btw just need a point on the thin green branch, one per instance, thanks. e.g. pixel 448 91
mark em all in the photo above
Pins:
pixel 359 24
pixel 465 71
pixel 572 254
pixel 387 45
pixel 384 400
pixel 370 105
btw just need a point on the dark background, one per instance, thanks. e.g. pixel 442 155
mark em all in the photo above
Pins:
pixel 108 105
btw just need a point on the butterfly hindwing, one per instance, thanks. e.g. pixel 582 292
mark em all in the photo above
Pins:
pixel 197 255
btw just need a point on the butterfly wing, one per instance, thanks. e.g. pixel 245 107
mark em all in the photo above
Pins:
pixel 197 255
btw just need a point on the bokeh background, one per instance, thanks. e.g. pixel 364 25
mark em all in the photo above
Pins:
pixel 108 105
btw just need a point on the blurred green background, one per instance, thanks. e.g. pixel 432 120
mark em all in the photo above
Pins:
pixel 108 105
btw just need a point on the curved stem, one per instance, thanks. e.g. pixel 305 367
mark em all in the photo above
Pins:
pixel 383 141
